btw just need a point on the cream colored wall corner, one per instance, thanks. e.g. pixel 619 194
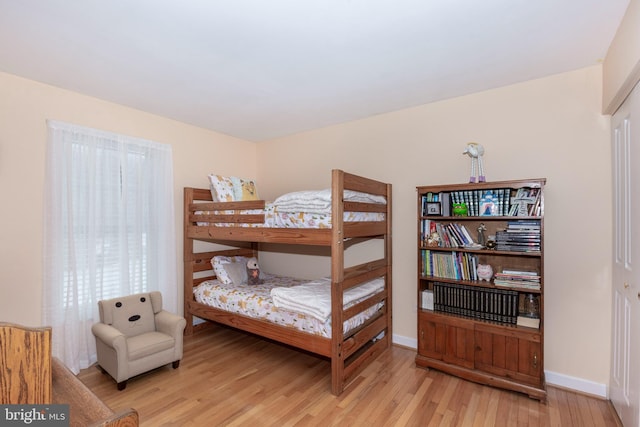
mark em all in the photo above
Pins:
pixel 25 106
pixel 621 69
pixel 551 127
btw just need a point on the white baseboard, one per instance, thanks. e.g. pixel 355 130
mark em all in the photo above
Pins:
pixel 577 384
pixel 553 378
pixel 404 341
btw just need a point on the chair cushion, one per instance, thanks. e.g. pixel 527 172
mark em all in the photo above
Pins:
pixel 149 343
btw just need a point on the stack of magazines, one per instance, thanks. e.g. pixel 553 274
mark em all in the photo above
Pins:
pixel 517 279
pixel 520 236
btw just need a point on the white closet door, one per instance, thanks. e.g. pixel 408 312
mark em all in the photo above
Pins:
pixel 625 363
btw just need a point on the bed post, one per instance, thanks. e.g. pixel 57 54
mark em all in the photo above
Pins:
pixel 337 279
pixel 388 245
pixel 188 263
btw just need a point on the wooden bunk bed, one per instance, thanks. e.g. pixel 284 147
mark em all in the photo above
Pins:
pixel 349 352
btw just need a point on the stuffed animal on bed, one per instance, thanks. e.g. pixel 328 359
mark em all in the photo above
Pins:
pixel 253 271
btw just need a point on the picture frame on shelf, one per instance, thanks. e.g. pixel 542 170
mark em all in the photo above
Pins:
pixel 488 205
pixel 433 208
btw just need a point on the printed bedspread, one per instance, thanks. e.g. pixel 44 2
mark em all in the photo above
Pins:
pixel 306 209
pixel 256 301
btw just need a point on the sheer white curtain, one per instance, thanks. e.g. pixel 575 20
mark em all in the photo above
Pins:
pixel 109 230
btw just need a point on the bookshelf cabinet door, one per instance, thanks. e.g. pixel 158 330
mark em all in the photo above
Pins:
pixel 460 345
pixel 447 339
pixel 512 354
pixel 432 336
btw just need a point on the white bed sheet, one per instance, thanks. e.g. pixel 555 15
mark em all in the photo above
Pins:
pixel 314 298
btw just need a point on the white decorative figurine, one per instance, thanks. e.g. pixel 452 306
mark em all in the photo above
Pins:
pixel 485 272
pixel 475 151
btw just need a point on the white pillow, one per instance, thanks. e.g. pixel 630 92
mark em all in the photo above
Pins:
pixel 218 263
pixel 237 272
pixel 221 188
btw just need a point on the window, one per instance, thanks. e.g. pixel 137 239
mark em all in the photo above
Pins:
pixel 109 230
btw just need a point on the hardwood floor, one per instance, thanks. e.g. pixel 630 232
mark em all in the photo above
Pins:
pixel 229 378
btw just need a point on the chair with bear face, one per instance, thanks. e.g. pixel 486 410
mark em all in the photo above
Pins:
pixel 135 335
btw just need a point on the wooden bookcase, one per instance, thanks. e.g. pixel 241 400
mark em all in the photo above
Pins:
pixel 475 328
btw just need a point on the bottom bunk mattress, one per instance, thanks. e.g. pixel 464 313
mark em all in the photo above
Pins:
pixel 256 301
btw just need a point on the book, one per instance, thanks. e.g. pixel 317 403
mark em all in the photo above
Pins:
pixel 445 201
pixel 466 234
pixel 529 322
pixel 522 223
pixel 494 305
pixel 520 272
pixel 427 299
pixel 516 285
pixel 488 204
pixel 511 248
pixel 456 235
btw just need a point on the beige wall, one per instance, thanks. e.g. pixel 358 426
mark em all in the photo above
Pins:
pixel 550 128
pixel 24 108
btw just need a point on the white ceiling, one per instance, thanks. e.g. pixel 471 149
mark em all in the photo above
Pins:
pixel 260 69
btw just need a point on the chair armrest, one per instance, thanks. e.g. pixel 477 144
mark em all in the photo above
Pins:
pixel 169 323
pixel 110 336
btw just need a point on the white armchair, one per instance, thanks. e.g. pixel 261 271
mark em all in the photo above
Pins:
pixel 136 335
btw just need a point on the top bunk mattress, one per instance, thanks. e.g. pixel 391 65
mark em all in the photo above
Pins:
pixel 274 218
pixel 302 209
